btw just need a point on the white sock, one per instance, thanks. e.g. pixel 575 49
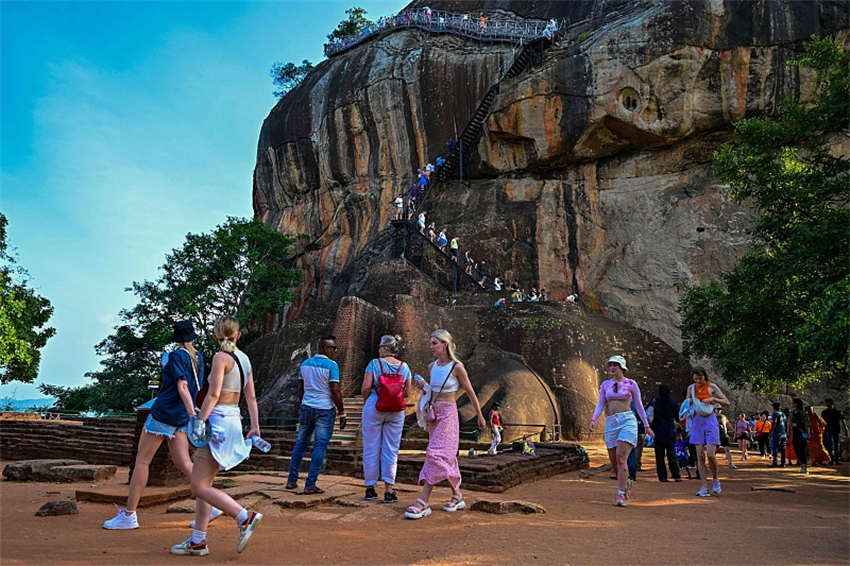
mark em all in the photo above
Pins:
pixel 198 536
pixel 242 516
pixel 620 492
pixel 128 513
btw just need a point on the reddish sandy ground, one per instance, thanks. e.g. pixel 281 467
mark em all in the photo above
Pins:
pixel 664 523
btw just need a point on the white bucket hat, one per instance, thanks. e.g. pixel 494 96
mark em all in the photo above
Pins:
pixel 618 360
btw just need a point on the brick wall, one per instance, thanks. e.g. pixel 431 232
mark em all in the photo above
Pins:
pixel 110 442
pixel 358 330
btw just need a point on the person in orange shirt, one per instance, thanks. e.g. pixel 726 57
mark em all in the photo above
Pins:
pixel 763 428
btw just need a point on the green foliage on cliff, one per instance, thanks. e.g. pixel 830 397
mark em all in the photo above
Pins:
pixel 287 76
pixel 240 268
pixel 23 316
pixel 781 316
pixel 353 24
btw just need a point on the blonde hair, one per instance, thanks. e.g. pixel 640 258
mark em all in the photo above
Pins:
pixel 446 338
pixel 227 330
pixel 193 353
pixel 391 342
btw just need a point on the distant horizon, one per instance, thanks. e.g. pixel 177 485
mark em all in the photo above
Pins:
pixel 126 126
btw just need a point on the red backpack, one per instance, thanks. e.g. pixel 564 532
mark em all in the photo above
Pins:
pixel 390 390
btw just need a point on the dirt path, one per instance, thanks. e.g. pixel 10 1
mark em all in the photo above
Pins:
pixel 663 524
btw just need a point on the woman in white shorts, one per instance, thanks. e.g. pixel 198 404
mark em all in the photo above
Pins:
pixel 615 396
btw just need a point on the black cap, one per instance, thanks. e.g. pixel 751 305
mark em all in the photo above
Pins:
pixel 183 331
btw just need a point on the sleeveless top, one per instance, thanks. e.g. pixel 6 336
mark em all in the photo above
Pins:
pixel 701 392
pixel 440 375
pixel 233 379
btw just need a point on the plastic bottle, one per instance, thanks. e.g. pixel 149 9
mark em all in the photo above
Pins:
pixel 260 444
pixel 649 440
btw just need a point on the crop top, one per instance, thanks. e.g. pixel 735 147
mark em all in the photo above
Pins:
pixel 702 393
pixel 232 382
pixel 627 390
pixel 441 375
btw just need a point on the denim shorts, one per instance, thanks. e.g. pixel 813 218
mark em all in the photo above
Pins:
pixel 153 426
pixel 620 426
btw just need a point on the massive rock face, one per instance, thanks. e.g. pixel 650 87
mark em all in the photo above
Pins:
pixel 593 171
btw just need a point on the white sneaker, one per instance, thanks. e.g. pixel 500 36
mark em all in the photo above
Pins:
pixel 215 513
pixel 703 493
pixel 122 521
pixel 715 486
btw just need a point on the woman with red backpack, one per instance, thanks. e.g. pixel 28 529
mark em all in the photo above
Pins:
pixel 386 383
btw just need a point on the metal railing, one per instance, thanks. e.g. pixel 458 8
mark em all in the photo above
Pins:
pixel 466 25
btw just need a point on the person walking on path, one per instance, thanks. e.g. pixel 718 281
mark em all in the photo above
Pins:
pixel 615 397
pixel 665 413
pixel 447 376
pixel 170 413
pixel 724 426
pixel 495 421
pixel 743 434
pixel 832 433
pixel 778 435
pixel 321 400
pixel 762 429
pixel 705 430
pixel 800 433
pixel 382 429
pixel 230 378
pixel 817 451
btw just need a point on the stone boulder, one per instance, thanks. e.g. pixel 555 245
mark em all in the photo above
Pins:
pixel 83 473
pixel 504 507
pixel 36 470
pixel 56 508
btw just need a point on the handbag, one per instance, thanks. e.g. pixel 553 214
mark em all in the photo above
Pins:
pixel 202 392
pixel 430 414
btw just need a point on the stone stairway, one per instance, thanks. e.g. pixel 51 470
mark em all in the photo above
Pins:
pixel 354 421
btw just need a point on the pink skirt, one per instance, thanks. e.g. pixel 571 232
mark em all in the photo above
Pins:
pixel 444 440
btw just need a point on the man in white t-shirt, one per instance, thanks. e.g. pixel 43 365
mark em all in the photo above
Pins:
pixel 320 399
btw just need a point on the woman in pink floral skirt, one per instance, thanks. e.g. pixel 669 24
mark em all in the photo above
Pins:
pixel 447 377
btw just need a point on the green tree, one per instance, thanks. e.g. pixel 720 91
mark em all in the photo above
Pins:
pixel 287 76
pixel 353 24
pixel 781 315
pixel 239 268
pixel 23 316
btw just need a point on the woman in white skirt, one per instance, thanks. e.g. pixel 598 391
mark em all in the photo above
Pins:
pixel 230 377
pixel 382 430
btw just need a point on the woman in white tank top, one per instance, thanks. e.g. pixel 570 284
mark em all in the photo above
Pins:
pixel 228 447
pixel 447 377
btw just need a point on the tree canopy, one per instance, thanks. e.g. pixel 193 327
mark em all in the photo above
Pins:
pixel 287 76
pixel 23 318
pixel 781 315
pixel 352 25
pixel 239 268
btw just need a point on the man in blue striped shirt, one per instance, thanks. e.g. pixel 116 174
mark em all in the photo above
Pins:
pixel 320 398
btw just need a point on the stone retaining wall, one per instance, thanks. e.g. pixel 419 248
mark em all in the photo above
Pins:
pixel 96 441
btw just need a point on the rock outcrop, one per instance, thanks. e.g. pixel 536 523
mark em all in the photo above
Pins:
pixel 593 171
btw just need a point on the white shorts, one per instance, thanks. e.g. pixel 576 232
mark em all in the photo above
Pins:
pixel 620 426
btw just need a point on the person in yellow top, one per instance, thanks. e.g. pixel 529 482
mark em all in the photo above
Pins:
pixel 763 428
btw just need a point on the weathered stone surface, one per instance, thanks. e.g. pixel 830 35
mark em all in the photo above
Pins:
pixel 55 508
pixel 593 171
pixel 503 507
pixel 87 473
pixel 36 470
pixel 187 506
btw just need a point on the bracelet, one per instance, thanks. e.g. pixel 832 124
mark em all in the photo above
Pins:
pixel 341 415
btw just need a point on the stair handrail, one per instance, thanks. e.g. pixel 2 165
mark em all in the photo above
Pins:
pixel 398 224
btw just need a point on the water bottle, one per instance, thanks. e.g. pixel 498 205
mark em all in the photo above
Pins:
pixel 260 444
pixel 649 440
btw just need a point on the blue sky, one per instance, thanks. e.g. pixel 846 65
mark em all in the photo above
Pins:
pixel 123 127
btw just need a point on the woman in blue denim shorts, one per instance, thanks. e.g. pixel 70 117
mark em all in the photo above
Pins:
pixel 621 431
pixel 181 379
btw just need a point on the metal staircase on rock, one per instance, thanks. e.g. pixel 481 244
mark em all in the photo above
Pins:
pixel 529 55
pixel 410 243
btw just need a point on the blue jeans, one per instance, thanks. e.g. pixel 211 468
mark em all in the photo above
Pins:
pixel 320 421
pixel 833 445
pixel 777 446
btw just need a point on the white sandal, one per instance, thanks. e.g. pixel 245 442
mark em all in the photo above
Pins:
pixel 414 512
pixel 461 504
